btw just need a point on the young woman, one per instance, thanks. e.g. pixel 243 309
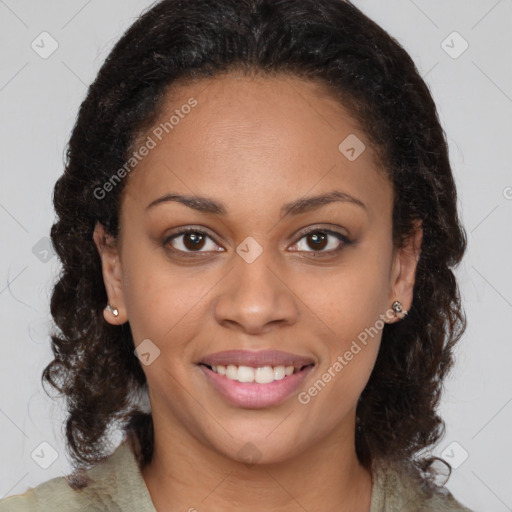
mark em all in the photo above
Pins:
pixel 257 224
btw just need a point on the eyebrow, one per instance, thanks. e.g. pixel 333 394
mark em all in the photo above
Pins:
pixel 301 205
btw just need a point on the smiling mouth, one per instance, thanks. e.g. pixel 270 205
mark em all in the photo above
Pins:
pixel 257 375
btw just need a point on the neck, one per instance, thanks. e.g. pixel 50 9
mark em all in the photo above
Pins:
pixel 184 474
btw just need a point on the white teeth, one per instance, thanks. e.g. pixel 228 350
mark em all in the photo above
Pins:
pixel 264 375
pixel 260 375
pixel 232 372
pixel 245 374
pixel 279 372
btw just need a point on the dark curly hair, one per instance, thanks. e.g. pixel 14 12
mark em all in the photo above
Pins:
pixel 327 41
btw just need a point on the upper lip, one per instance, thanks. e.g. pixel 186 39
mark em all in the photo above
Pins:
pixel 256 359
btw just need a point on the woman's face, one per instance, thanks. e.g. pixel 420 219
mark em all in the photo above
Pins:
pixel 314 281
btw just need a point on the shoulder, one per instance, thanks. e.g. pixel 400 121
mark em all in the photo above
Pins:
pixel 398 485
pixel 56 492
pixel 115 485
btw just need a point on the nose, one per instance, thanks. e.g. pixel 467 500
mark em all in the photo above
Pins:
pixel 255 297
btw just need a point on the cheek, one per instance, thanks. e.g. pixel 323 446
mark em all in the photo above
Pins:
pixel 349 311
pixel 160 300
pixel 170 307
pixel 350 297
pixel 348 306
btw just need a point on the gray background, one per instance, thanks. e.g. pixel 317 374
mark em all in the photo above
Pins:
pixel 39 98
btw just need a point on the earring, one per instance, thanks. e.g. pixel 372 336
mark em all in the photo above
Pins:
pixel 114 311
pixel 397 308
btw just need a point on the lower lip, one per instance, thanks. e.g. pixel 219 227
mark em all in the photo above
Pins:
pixel 251 395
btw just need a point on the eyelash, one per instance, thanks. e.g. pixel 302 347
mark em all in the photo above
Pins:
pixel 302 234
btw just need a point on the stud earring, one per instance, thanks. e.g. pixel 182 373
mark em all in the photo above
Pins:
pixel 397 308
pixel 114 311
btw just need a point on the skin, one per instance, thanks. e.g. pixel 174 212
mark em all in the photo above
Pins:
pixel 255 143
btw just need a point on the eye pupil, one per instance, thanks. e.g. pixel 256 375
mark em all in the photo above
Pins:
pixel 316 237
pixel 196 240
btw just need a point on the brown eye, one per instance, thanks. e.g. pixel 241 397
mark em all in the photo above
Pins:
pixel 191 241
pixel 317 240
pixel 321 241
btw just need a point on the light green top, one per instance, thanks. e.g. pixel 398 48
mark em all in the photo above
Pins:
pixel 118 486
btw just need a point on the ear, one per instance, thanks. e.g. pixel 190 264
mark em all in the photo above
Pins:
pixel 112 274
pixel 403 271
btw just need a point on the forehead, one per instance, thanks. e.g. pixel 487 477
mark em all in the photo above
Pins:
pixel 256 140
